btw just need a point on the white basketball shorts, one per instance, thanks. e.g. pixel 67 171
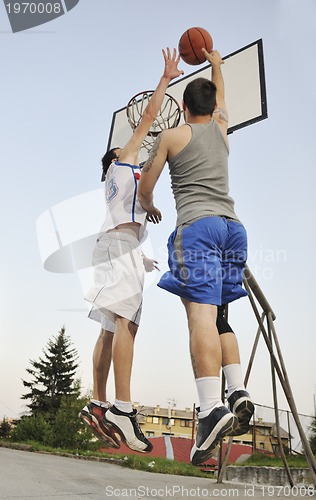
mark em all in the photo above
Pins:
pixel 118 279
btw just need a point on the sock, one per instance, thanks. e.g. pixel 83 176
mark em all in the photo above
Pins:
pixel 234 379
pixel 125 406
pixel 209 391
pixel 99 403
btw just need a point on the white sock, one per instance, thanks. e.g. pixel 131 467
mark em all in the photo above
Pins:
pixel 125 406
pixel 234 378
pixel 100 403
pixel 209 391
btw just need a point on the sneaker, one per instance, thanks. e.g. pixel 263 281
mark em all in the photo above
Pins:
pixel 92 416
pixel 211 429
pixel 126 424
pixel 240 404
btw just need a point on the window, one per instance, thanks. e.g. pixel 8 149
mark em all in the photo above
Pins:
pixel 150 434
pixel 167 421
pixel 155 420
pixel 186 423
pixel 149 420
pixel 265 431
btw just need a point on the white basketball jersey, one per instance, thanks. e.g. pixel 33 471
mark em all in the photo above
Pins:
pixel 121 196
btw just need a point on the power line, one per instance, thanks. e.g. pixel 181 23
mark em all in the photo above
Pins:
pixel 10 409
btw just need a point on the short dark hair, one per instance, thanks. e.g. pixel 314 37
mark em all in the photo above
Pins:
pixel 107 160
pixel 200 97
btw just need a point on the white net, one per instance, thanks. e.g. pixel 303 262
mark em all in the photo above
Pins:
pixel 168 116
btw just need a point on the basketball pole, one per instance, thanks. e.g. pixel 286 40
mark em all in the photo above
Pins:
pixel 277 367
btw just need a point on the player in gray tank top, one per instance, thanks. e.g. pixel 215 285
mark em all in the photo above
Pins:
pixel 206 253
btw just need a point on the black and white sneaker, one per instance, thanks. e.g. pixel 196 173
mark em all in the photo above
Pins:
pixel 127 426
pixel 211 429
pixel 240 404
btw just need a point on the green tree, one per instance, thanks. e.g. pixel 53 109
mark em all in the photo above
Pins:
pixel 5 428
pixel 67 430
pixel 53 377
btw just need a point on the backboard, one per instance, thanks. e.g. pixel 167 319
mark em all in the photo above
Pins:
pixel 245 93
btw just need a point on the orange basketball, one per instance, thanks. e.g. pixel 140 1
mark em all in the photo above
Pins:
pixel 191 43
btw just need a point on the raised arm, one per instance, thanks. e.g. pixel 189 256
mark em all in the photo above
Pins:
pixel 131 150
pixel 220 113
pixel 150 175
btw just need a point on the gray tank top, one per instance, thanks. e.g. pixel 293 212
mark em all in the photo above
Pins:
pixel 199 175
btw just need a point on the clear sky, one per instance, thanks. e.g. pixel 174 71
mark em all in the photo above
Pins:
pixel 60 84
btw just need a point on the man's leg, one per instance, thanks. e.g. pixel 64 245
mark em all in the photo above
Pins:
pixel 93 413
pixel 122 354
pixel 205 348
pixel 231 362
pixel 238 398
pixel 214 420
pixel 121 418
pixel 102 356
pixel 230 353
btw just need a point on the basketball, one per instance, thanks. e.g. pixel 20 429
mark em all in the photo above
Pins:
pixel 191 43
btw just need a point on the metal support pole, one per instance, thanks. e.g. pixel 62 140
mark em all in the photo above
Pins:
pixel 290 399
pixel 256 290
pixel 276 415
pixel 253 352
pixel 289 431
pixel 278 366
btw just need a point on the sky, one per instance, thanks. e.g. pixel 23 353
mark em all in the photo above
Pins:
pixel 60 84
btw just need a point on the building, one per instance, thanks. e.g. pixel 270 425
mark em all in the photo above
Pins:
pixel 262 436
pixel 156 421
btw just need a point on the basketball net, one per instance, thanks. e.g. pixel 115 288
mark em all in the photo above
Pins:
pixel 168 115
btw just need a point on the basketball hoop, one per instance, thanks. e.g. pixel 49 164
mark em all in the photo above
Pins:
pixel 168 116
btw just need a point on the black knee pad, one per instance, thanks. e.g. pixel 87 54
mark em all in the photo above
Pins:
pixel 221 323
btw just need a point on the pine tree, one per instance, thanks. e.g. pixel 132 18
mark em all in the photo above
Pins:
pixel 53 376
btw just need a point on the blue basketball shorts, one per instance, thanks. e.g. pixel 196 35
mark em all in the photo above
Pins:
pixel 206 260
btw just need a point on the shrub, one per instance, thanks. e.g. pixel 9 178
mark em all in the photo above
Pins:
pixel 32 428
pixel 67 430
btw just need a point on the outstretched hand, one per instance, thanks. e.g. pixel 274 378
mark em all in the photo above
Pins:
pixel 154 215
pixel 213 57
pixel 171 64
pixel 150 264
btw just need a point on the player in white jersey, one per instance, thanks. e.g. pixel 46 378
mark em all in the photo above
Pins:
pixel 116 294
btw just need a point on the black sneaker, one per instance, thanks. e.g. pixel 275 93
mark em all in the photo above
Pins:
pixel 211 429
pixel 92 416
pixel 240 404
pixel 126 424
